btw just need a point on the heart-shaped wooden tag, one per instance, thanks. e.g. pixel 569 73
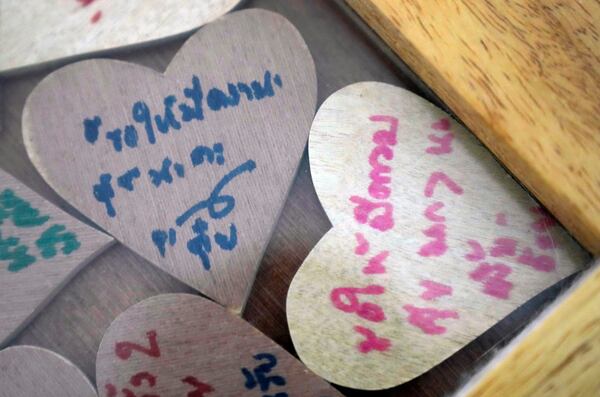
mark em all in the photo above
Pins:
pixel 41 249
pixel 190 168
pixel 71 27
pixel 432 243
pixel 185 345
pixel 27 371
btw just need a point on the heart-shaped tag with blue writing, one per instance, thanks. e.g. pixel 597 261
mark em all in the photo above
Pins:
pixel 432 242
pixel 189 168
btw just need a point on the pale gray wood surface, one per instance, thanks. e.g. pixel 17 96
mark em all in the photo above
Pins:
pixel 345 51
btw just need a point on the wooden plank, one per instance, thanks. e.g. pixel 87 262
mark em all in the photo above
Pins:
pixel 41 249
pixel 432 243
pixel 36 32
pixel 180 344
pixel 27 371
pixel 189 168
pixel 524 76
pixel 557 355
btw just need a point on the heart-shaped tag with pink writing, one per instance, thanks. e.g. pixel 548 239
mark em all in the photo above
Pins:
pixel 432 243
pixel 185 345
pixel 190 168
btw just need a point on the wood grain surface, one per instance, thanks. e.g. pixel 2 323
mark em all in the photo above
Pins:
pixel 557 355
pixel 69 28
pixel 173 344
pixel 525 77
pixel 197 192
pixel 345 51
pixel 27 371
pixel 41 249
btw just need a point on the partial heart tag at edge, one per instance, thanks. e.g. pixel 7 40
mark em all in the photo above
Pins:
pixel 76 27
pixel 32 371
pixel 41 249
pixel 180 344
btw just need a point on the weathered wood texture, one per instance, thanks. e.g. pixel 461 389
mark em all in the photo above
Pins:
pixel 41 249
pixel 525 77
pixel 36 32
pixel 27 371
pixel 432 242
pixel 557 355
pixel 181 342
pixel 345 51
pixel 248 110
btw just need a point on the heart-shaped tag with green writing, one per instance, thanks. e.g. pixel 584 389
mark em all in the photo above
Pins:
pixel 185 345
pixel 41 249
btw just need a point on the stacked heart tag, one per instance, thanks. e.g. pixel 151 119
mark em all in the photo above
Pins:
pixel 27 371
pixel 432 242
pixel 189 168
pixel 69 28
pixel 184 345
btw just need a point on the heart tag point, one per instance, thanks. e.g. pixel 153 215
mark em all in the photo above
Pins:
pixel 181 344
pixel 432 242
pixel 189 168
